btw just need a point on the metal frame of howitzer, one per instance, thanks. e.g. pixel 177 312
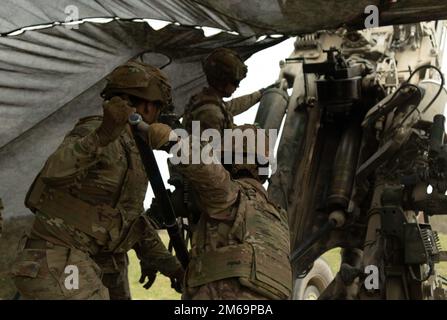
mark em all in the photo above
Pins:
pixel 352 168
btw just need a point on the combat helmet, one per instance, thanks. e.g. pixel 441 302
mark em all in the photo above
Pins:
pixel 248 152
pixel 139 80
pixel 224 66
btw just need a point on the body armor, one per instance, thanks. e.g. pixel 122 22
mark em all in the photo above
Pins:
pixel 105 208
pixel 254 248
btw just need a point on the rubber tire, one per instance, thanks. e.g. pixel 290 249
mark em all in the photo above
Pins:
pixel 311 286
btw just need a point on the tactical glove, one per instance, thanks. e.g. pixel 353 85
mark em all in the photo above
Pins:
pixel 159 135
pixel 177 280
pixel 274 85
pixel 149 272
pixel 116 114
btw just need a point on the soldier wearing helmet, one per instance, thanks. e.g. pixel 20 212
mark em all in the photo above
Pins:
pixel 241 244
pixel 224 70
pixel 88 201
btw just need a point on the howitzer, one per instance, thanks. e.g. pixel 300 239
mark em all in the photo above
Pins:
pixel 139 130
pixel 362 144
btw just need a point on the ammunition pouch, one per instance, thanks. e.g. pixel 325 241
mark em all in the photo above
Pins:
pixel 255 270
pixel 102 223
pixel 257 252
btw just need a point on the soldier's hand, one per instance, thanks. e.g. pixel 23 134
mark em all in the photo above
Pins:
pixel 159 135
pixel 150 273
pixel 116 114
pixel 273 85
pixel 177 280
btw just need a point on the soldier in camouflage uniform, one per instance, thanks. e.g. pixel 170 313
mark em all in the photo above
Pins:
pixel 88 201
pixel 241 245
pixel 224 71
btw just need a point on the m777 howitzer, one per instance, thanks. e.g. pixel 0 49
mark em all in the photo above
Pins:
pixel 362 163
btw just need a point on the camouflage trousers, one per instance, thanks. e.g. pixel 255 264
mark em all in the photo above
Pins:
pixel 226 289
pixel 37 269
pixel 57 273
pixel 115 277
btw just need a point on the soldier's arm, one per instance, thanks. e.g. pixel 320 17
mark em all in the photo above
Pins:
pixel 153 254
pixel 216 191
pixel 243 103
pixel 91 138
pixel 78 152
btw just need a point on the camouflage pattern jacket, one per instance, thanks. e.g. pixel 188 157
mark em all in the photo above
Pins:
pixel 213 113
pixel 91 198
pixel 240 234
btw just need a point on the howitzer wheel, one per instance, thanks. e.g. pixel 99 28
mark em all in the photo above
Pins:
pixel 314 283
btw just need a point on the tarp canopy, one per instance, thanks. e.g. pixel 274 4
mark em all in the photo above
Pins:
pixel 77 58
pixel 53 75
pixel 40 72
pixel 244 16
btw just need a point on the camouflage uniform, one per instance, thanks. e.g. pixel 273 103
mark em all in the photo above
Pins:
pixel 213 113
pixel 234 254
pixel 223 67
pixel 241 245
pixel 88 202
